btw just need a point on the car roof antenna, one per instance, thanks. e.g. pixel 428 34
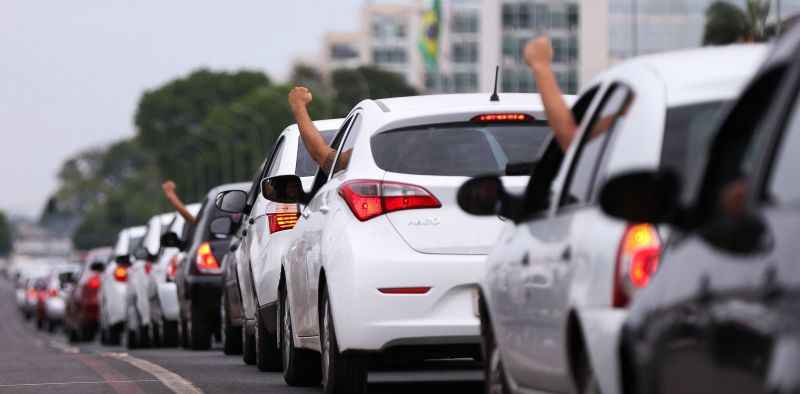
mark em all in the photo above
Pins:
pixel 495 97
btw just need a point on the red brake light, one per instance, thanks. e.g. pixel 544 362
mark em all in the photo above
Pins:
pixel 121 274
pixel 637 261
pixel 52 293
pixel 206 262
pixel 368 198
pixel 498 118
pixel 404 290
pixel 148 267
pixel 172 268
pixel 32 293
pixel 93 282
pixel 285 219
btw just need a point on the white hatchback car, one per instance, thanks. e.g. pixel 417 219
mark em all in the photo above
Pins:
pixel 382 261
pixel 559 281
pixel 114 286
pixel 264 235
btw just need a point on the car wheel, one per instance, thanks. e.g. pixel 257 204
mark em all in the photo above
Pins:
pixel 199 329
pixel 115 334
pixel 169 333
pixel 340 374
pixel 588 383
pixel 231 336
pixel 143 336
pixel 300 367
pixel 184 333
pixel 267 355
pixel 248 344
pixel 494 372
pixel 72 335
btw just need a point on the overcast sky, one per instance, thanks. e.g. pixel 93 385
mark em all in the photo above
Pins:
pixel 71 72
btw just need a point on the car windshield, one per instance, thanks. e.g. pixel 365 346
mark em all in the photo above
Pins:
pixel 460 149
pixel 687 135
pixel 135 242
pixel 306 166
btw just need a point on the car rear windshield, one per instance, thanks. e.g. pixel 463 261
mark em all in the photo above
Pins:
pixel 306 166
pixel 459 149
pixel 686 136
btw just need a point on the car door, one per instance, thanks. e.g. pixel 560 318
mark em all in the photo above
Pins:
pixel 305 250
pixel 549 265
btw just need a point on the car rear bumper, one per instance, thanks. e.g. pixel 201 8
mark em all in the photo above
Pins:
pixel 54 308
pixel 168 299
pixel 114 302
pixel 368 319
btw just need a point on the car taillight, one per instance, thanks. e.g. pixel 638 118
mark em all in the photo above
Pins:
pixel 637 261
pixel 279 221
pixel 502 118
pixel 94 282
pixel 172 268
pixel 121 274
pixel 52 293
pixel 206 262
pixel 148 267
pixel 368 198
pixel 32 293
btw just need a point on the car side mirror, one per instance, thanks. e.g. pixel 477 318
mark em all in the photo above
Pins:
pixel 284 189
pixel 642 196
pixel 221 226
pixel 124 259
pixel 140 253
pixel 231 201
pixel 171 240
pixel 482 196
pixel 97 266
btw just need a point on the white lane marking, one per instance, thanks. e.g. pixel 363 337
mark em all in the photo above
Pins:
pixel 168 378
pixel 79 382
pixel 64 348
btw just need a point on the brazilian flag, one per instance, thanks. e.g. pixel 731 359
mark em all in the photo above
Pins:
pixel 429 41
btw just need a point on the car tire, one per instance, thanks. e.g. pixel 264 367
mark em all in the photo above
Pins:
pixel 169 333
pixel 300 367
pixel 231 336
pixel 73 336
pixel 248 344
pixel 199 329
pixel 268 357
pixel 144 337
pixel 184 333
pixel 493 370
pixel 340 374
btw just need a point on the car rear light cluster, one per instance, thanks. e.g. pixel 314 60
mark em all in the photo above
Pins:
pixel 121 273
pixel 370 198
pixel 52 293
pixel 286 219
pixel 502 118
pixel 637 261
pixel 404 290
pixel 206 262
pixel 148 267
pixel 172 268
pixel 93 282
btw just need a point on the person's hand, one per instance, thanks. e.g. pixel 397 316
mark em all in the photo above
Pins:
pixel 299 97
pixel 169 188
pixel 538 52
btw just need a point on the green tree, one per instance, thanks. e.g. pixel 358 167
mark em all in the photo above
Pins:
pixel 5 235
pixel 353 85
pixel 726 23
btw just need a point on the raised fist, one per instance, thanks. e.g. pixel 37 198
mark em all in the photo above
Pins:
pixel 168 187
pixel 538 52
pixel 299 97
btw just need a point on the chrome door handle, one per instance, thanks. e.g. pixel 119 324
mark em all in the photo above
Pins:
pixel 251 221
pixel 526 260
pixel 306 214
pixel 324 209
pixel 567 253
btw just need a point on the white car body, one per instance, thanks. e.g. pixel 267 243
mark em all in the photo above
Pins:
pixel 260 253
pixel 113 292
pixel 142 302
pixel 161 284
pixel 55 304
pixel 550 284
pixel 440 249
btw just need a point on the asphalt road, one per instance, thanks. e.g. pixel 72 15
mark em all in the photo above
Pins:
pixel 37 362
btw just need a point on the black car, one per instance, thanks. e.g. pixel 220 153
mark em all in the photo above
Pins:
pixel 722 314
pixel 198 277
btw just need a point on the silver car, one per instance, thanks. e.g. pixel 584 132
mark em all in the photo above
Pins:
pixel 114 286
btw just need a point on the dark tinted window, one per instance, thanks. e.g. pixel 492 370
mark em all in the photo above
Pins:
pixel 462 149
pixel 687 134
pixel 306 166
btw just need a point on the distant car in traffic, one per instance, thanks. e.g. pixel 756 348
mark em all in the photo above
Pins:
pixel 59 284
pixel 114 286
pixel 382 262
pixel 252 269
pixel 199 273
pixel 560 280
pixel 722 313
pixel 82 313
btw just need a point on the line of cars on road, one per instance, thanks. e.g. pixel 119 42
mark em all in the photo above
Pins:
pixel 655 254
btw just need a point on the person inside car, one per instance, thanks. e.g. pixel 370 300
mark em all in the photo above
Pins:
pixel 169 188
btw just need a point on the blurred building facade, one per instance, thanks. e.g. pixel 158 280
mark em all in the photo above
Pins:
pixel 475 36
